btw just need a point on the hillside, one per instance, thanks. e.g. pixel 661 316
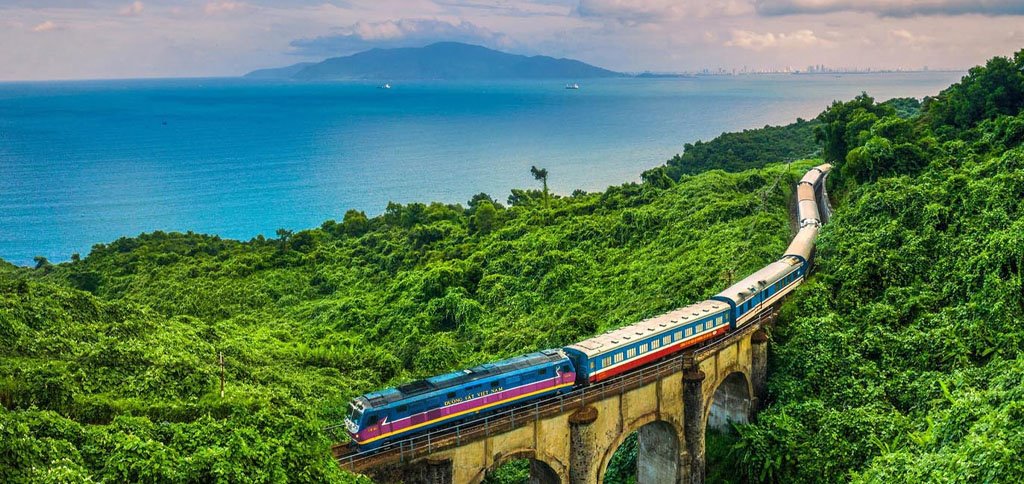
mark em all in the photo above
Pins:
pixel 443 60
pixel 902 360
pixel 279 72
pixel 110 367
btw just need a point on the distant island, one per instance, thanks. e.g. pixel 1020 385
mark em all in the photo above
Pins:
pixel 442 60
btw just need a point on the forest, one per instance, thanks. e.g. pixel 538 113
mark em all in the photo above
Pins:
pixel 899 361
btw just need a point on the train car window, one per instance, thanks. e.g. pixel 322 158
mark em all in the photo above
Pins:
pixel 619 357
pixel 666 340
pixel 689 331
pixel 654 344
pixel 643 348
pixel 606 361
pixel 591 365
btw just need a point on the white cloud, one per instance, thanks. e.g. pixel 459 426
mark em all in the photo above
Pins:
pixel 398 33
pixel 132 9
pixel 907 37
pixel 227 7
pixel 45 26
pixel 746 39
pixel 658 11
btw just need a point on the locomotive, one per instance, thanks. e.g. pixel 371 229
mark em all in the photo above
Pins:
pixel 383 416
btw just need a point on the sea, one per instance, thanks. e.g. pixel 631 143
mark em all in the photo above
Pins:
pixel 87 162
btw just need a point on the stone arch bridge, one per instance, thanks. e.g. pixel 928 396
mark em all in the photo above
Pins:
pixel 571 438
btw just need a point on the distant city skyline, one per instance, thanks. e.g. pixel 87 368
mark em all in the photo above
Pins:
pixel 89 39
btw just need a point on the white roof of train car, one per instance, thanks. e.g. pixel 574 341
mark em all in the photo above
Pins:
pixel 663 322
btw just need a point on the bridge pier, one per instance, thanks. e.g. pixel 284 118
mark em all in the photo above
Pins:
pixel 581 435
pixel 693 422
pixel 658 456
pixel 758 369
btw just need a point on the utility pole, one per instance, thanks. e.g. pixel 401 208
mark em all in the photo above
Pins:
pixel 221 375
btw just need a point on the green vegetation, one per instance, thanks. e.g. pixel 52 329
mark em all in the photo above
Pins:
pixel 901 360
pixel 110 367
pixel 752 148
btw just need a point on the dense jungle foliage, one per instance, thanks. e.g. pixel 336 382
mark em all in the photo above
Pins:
pixel 110 367
pixel 754 148
pixel 750 148
pixel 901 360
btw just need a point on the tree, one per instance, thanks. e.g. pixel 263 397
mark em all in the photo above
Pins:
pixel 485 217
pixel 42 263
pixel 355 223
pixel 843 123
pixel 541 175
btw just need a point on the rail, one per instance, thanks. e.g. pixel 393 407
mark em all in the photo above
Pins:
pixel 421 445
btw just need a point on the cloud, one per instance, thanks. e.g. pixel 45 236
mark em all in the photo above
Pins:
pixel 909 38
pixel 44 26
pixel 655 11
pixel 746 39
pixel 131 9
pixel 227 7
pixel 892 8
pixel 397 33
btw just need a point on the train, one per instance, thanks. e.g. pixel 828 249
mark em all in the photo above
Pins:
pixel 384 416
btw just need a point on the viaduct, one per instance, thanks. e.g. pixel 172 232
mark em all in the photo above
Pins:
pixel 570 439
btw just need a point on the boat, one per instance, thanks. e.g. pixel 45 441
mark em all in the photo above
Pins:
pixel 384 86
pixel 572 86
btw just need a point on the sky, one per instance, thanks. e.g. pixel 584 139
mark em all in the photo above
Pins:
pixel 97 39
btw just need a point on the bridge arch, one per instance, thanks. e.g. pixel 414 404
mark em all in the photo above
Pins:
pixel 730 402
pixel 658 449
pixel 544 469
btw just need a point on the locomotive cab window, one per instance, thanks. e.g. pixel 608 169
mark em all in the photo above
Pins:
pixel 372 421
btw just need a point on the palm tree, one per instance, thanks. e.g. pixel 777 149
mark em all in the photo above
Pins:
pixel 541 175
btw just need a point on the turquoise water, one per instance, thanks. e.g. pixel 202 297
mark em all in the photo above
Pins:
pixel 87 162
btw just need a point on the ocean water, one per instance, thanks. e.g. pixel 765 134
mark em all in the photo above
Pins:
pixel 87 162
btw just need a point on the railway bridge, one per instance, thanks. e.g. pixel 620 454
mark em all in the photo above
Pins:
pixel 571 438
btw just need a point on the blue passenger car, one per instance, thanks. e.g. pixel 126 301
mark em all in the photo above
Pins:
pixel 763 288
pixel 382 416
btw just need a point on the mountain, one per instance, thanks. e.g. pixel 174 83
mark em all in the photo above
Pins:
pixel 443 60
pixel 279 72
